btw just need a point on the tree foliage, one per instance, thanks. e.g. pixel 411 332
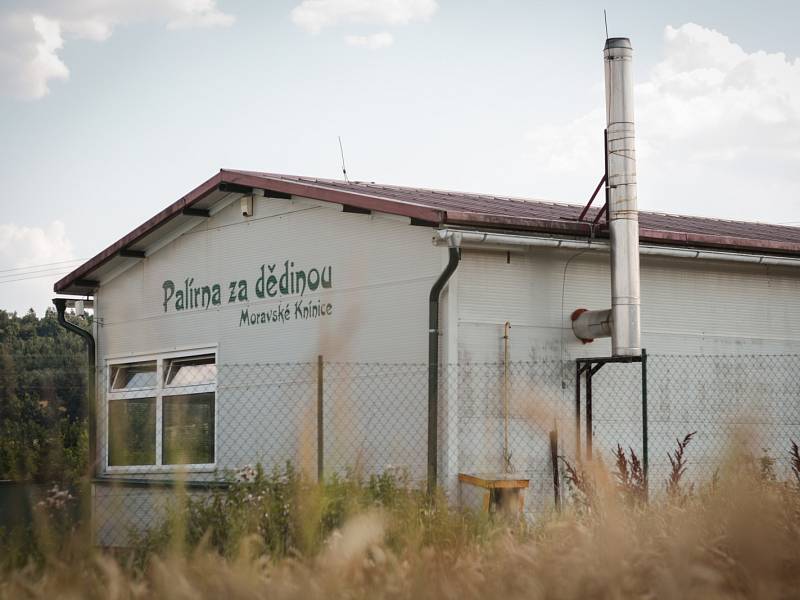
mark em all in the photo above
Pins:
pixel 43 383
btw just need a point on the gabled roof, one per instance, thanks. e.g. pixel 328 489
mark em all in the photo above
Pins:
pixel 432 208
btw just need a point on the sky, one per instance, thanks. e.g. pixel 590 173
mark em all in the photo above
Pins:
pixel 110 110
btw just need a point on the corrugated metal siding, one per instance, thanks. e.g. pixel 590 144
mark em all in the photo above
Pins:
pixel 528 293
pixel 688 307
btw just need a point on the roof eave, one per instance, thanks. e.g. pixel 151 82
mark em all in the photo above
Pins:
pixel 418 212
pixel 654 236
pixel 79 281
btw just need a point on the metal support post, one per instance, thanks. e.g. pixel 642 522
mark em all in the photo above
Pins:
pixel 644 424
pixel 578 371
pixel 554 460
pixel 589 412
pixel 320 420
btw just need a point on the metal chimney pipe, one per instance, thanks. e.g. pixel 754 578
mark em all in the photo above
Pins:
pixel 623 214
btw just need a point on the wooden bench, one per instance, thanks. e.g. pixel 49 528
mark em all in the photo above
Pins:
pixel 502 490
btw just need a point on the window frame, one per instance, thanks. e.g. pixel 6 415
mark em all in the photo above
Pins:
pixel 160 391
pixel 180 390
pixel 136 390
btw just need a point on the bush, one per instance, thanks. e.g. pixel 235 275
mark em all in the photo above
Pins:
pixel 282 513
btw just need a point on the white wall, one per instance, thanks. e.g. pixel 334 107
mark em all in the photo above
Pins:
pixel 688 307
pixel 382 271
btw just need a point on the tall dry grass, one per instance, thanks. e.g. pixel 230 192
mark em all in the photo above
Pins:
pixel 736 536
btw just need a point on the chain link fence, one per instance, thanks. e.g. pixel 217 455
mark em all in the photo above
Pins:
pixel 191 419
pixel 753 397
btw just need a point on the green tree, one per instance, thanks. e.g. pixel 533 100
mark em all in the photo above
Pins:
pixel 43 384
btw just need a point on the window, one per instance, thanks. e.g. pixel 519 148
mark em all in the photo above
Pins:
pixel 188 430
pixel 196 370
pixel 133 376
pixel 133 423
pixel 162 412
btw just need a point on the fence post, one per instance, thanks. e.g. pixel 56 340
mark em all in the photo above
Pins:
pixel 320 420
pixel 554 459
pixel 644 424
pixel 577 411
pixel 589 432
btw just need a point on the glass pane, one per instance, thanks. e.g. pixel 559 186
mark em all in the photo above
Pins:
pixel 195 370
pixel 132 432
pixel 133 375
pixel 188 431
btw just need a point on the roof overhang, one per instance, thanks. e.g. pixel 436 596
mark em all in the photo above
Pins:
pixel 184 213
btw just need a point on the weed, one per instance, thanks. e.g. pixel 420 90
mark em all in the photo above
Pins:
pixel 630 478
pixel 383 538
pixel 678 462
pixel 794 461
pixel 580 485
pixel 282 514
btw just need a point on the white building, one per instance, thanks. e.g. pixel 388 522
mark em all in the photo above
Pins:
pixel 202 279
pixel 210 318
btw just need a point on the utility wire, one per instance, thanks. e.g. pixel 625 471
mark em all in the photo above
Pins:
pixel 35 272
pixel 63 262
pixel 59 274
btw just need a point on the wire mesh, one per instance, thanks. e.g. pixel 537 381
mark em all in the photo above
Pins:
pixel 752 399
pixel 211 422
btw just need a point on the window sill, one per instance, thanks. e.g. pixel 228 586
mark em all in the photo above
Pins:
pixel 160 469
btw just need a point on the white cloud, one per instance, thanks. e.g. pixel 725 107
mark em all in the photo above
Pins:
pixel 32 33
pixel 373 41
pixel 197 13
pixel 717 127
pixel 28 59
pixel 315 15
pixel 23 284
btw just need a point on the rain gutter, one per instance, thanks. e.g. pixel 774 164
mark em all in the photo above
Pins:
pixel 479 238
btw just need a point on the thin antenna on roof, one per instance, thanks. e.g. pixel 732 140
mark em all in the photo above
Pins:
pixel 605 18
pixel 344 168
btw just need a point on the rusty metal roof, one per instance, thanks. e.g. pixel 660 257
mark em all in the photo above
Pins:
pixel 435 208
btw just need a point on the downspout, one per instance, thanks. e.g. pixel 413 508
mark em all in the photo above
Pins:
pixel 433 365
pixel 61 306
